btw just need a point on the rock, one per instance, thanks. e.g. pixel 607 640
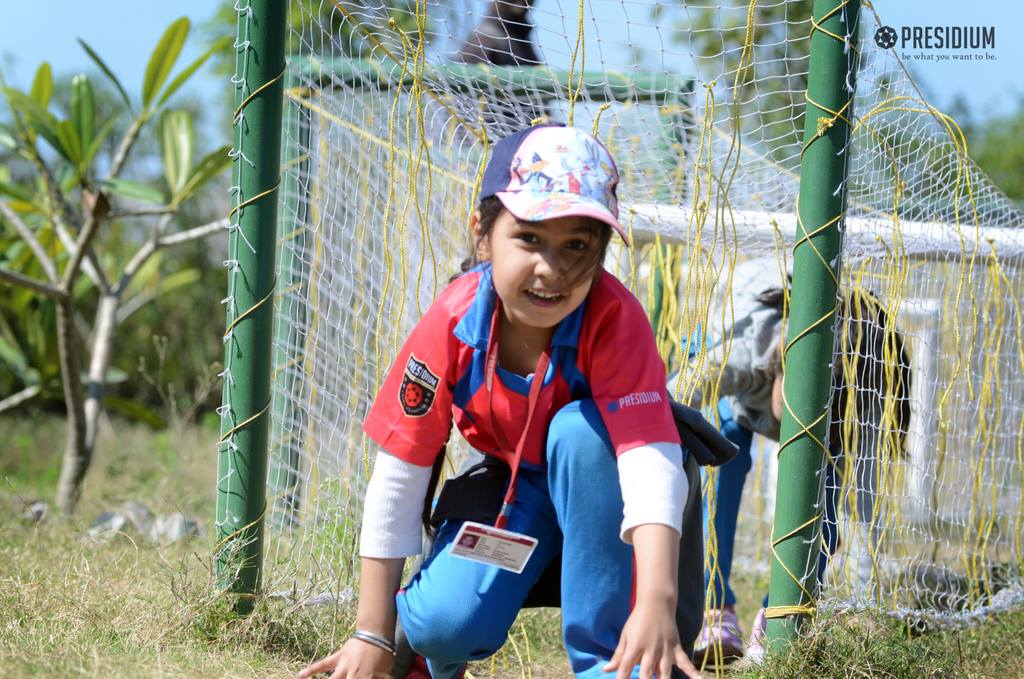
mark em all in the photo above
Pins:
pixel 132 516
pixel 171 528
pixel 139 515
pixel 135 518
pixel 107 525
pixel 34 511
pixel 323 599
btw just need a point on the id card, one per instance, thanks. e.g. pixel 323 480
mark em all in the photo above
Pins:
pixel 494 546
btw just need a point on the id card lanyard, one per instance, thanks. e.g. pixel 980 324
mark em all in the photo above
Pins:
pixel 539 373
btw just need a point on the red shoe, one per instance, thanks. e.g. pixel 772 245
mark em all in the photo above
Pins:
pixel 418 669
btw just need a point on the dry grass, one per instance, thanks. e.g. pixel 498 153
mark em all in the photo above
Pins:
pixel 73 607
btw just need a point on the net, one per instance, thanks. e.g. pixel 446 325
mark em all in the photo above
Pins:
pixel 390 108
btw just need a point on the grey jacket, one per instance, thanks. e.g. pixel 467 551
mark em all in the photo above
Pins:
pixel 742 349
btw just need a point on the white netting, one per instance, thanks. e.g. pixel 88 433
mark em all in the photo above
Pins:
pixel 385 131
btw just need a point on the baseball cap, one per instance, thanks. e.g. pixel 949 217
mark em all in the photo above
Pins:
pixel 551 171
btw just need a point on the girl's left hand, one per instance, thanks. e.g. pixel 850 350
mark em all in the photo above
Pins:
pixel 650 637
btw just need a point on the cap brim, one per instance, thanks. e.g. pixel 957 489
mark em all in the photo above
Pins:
pixel 535 206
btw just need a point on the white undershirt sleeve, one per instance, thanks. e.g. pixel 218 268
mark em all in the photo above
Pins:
pixel 654 487
pixel 393 508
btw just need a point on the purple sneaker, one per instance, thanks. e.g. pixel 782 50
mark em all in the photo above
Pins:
pixel 720 641
pixel 755 649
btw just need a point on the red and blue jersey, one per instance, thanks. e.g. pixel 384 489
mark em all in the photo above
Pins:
pixel 604 350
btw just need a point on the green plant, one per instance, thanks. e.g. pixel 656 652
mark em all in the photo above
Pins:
pixel 54 212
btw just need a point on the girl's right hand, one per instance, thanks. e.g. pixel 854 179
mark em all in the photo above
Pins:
pixel 355 660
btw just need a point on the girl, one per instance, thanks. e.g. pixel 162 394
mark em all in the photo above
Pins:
pixel 749 374
pixel 545 361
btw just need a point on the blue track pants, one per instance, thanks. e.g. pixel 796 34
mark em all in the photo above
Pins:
pixel 455 610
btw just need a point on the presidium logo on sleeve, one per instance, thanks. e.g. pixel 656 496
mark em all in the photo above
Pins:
pixel 418 388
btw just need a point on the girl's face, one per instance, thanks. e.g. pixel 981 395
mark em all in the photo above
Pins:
pixel 538 267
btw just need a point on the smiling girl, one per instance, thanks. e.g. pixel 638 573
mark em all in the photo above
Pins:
pixel 547 364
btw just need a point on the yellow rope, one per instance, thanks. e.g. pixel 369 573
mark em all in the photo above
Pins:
pixel 817 26
pixel 310 347
pixel 238 531
pixel 250 201
pixel 775 612
pixel 578 50
pixel 245 102
pixel 423 151
pixel 410 191
pixel 1019 448
pixel 597 117
pixel 479 180
pixel 365 135
pixel 248 312
pixel 963 185
pixel 376 42
pixel 778 559
pixel 243 424
pixel 361 316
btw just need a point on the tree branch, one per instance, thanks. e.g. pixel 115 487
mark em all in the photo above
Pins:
pixel 91 265
pixel 15 278
pixel 140 300
pixel 142 212
pixel 67 214
pixel 64 215
pixel 195 233
pixel 140 257
pixel 126 145
pixel 20 397
pixel 78 254
pixel 33 243
pixel 157 241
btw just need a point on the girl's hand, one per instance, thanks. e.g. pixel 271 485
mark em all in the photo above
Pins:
pixel 650 637
pixel 355 660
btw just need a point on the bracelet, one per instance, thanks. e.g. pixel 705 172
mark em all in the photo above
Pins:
pixel 376 640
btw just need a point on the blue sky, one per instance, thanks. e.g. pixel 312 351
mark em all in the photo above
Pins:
pixel 124 31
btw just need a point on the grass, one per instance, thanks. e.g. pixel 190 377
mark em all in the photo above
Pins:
pixel 70 606
pixel 862 646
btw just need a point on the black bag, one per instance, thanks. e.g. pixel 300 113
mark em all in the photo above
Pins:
pixel 705 443
pixel 477 493
pixel 474 495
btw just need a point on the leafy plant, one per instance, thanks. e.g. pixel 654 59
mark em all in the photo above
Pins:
pixel 81 239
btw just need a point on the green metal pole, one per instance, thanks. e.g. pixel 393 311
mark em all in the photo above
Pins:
pixel 242 458
pixel 796 537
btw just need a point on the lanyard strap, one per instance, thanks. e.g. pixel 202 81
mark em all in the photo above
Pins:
pixel 540 372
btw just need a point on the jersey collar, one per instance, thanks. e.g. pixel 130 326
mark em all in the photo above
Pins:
pixel 475 327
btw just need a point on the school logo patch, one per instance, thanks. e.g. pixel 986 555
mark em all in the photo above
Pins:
pixel 419 386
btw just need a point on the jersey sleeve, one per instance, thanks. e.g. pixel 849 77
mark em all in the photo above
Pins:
pixel 412 414
pixel 626 374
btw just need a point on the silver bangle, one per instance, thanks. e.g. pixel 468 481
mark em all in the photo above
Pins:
pixel 376 640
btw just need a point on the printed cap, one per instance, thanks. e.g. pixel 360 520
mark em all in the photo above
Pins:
pixel 551 171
